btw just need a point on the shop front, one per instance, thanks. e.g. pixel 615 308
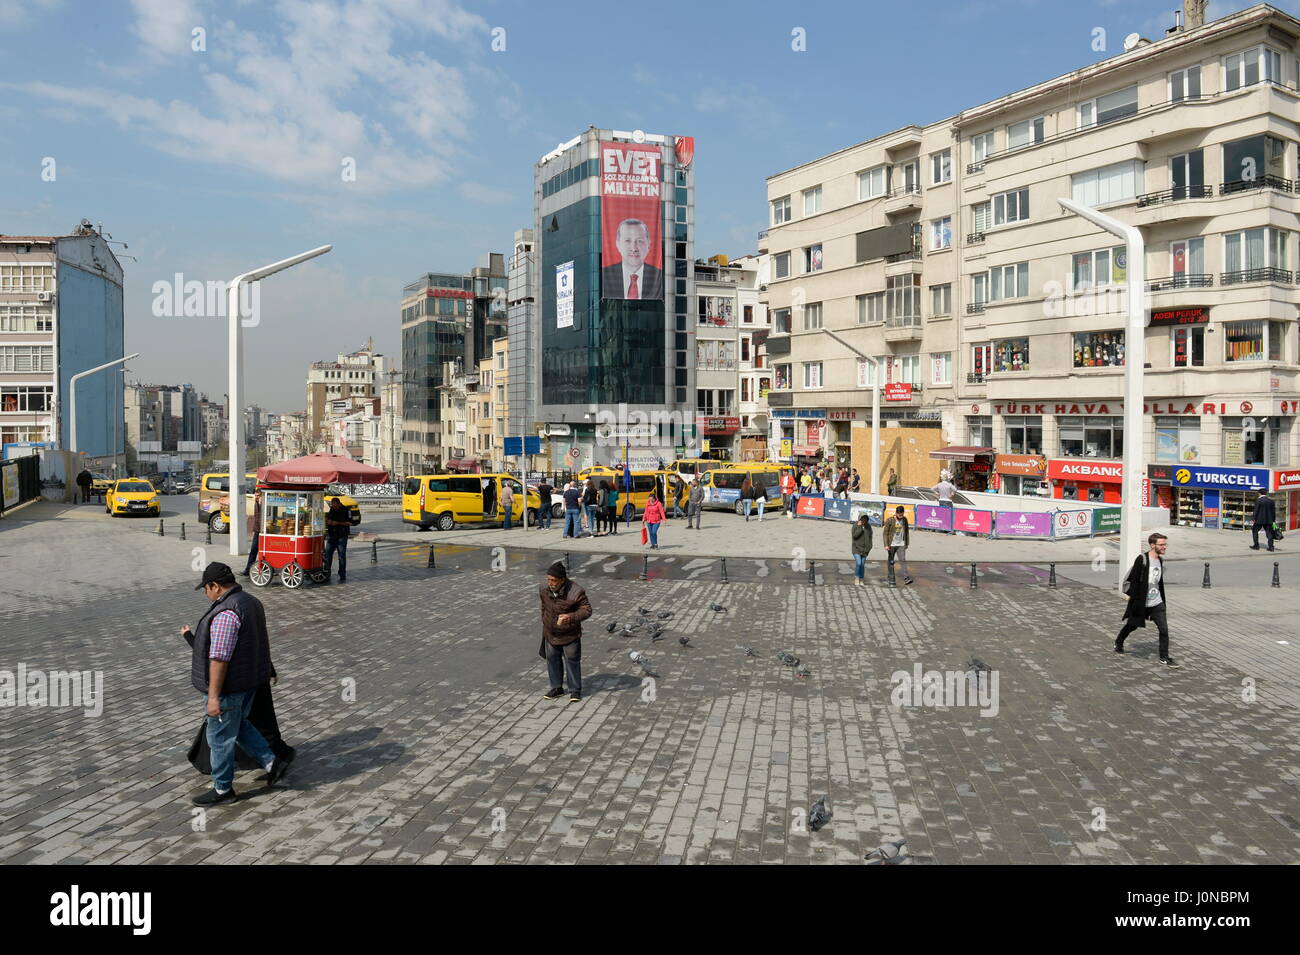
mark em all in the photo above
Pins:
pixel 971 467
pixel 802 432
pixel 1020 474
pixel 720 435
pixel 1073 479
pixel 1286 491
pixel 1215 497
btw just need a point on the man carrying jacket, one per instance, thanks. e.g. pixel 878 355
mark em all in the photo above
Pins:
pixel 564 607
pixel 1265 515
pixel 230 658
pixel 1145 587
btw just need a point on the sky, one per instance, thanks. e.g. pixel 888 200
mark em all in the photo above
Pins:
pixel 214 137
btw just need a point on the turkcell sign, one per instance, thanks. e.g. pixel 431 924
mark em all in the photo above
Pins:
pixel 1232 478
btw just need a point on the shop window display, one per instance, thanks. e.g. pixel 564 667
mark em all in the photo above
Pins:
pixel 1099 349
pixel 1011 354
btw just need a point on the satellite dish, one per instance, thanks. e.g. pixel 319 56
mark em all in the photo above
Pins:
pixel 1132 40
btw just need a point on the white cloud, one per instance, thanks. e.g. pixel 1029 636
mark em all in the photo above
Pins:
pixel 481 193
pixel 164 26
pixel 15 13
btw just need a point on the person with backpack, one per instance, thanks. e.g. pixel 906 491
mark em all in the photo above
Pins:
pixel 653 517
pixel 897 536
pixel 1145 586
pixel 861 541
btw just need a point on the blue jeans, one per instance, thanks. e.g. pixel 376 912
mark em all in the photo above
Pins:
pixel 590 510
pixel 544 516
pixel 571 522
pixel 654 533
pixel 677 509
pixel 232 727
pixel 859 565
pixel 762 506
pixel 339 544
pixel 508 512
pixel 747 505
pixel 565 661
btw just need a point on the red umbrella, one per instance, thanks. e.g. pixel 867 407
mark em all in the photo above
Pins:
pixel 321 468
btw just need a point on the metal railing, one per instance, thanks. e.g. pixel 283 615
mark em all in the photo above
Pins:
pixel 903 321
pixel 975 238
pixel 974 379
pixel 1175 195
pixel 913 190
pixel 1262 182
pixel 909 256
pixel 1269 274
pixel 1186 280
pixel 974 308
pixel 716 364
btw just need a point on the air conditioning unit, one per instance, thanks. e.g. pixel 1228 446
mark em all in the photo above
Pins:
pixel 45 296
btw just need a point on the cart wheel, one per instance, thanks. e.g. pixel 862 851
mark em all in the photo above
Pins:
pixel 446 522
pixel 291 575
pixel 261 573
pixel 319 576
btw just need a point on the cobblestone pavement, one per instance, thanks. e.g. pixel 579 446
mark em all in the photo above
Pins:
pixel 449 754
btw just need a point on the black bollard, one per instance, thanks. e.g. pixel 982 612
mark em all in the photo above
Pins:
pixel 1205 581
pixel 1051 579
pixel 160 527
pixel 724 571
pixel 209 527
pixel 182 530
pixel 1277 581
pixel 812 573
pixel 974 578
pixel 432 562
pixel 374 551
pixel 892 581
pixel 645 567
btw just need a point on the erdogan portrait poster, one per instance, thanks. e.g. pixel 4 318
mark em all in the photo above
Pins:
pixel 631 184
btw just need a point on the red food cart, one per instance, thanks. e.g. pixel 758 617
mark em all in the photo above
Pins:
pixel 292 531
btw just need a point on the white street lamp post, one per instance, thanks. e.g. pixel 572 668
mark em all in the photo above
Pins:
pixel 875 409
pixel 72 390
pixel 1130 534
pixel 235 416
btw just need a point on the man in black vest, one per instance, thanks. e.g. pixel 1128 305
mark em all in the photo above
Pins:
pixel 1265 515
pixel 231 658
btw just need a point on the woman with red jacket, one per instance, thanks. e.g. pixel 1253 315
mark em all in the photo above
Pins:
pixel 654 516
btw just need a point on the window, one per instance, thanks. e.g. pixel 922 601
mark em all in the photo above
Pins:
pixel 1009 281
pixel 941 167
pixel 1189 346
pixel 26 397
pixel 1108 108
pixel 911 174
pixel 1099 349
pixel 980 429
pixel 26 278
pixel 26 318
pixel 782 377
pixel 871 308
pixel 1253 441
pixel 1185 84
pixel 781 321
pixel 812 258
pixel 781 210
pixel 873 183
pixel 26 357
pixel 1011 207
pixel 1024 434
pixel 904 369
pixel 812 316
pixel 1255 340
pixel 746 352
pixel 1108 184
pixel 748 313
pixel 866 373
pixel 1251 161
pixel 1187 174
pixel 1250 66
pixel 1011 354
pixel 981 216
pixel 1100 436
pixel 1178 440
pixel 941 233
pixel 981 147
pixel 1253 249
pixel 782 265
pixel 903 299
pixel 941 368
pixel 812 374
pixel 1102 267
pixel 940 300
pixel 980 289
pixel 1026 133
pixel 1187 257
pixel 812 201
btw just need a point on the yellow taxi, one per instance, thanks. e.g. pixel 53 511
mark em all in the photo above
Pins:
pixel 445 500
pixel 214 500
pixel 689 466
pixel 644 483
pixel 132 496
pixel 722 486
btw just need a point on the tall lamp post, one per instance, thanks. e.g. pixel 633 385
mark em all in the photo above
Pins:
pixel 237 388
pixel 72 391
pixel 875 409
pixel 1130 533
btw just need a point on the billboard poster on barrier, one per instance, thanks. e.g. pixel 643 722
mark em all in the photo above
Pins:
pixel 932 517
pixel 1024 524
pixel 875 511
pixel 837 510
pixel 1074 523
pixel 9 480
pixel 1105 520
pixel 810 506
pixel 972 522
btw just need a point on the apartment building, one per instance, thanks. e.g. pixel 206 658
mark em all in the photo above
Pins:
pixel 1191 138
pixel 353 375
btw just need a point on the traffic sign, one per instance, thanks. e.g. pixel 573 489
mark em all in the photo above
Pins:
pixel 514 447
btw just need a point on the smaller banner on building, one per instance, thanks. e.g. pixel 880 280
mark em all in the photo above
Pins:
pixel 932 517
pixel 1072 523
pixel 564 295
pixel 1023 524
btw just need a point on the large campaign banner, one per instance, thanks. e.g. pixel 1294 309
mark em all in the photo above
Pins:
pixel 1024 524
pixel 932 517
pixel 972 522
pixel 833 510
pixel 632 249
pixel 875 511
pixel 810 506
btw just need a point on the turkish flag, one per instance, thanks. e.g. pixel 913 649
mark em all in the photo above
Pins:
pixel 1180 260
pixel 684 147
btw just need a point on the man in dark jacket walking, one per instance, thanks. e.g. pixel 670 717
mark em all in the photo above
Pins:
pixel 84 481
pixel 230 658
pixel 861 548
pixel 695 503
pixel 1145 587
pixel 338 525
pixel 1265 516
pixel 564 607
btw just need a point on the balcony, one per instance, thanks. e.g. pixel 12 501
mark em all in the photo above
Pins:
pixel 975 238
pixel 974 379
pixel 1176 194
pixel 903 199
pixel 975 167
pixel 1186 280
pixel 975 308
pixel 1281 276
pixel 903 263
pixel 780 399
pixel 715 364
pixel 903 328
pixel 1262 182
pixel 777 345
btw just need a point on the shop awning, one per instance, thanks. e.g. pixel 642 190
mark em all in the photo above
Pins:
pixel 807 452
pixel 961 453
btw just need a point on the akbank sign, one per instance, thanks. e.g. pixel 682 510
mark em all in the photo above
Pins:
pixel 1243 479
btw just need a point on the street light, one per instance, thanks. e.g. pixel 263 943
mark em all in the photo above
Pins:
pixel 875 409
pixel 1130 532
pixel 72 390
pixel 236 419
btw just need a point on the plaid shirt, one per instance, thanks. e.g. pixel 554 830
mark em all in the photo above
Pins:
pixel 222 634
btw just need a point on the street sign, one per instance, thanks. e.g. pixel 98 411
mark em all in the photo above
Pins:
pixel 512 447
pixel 532 444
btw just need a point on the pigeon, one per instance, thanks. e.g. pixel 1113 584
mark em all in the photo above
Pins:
pixel 636 656
pixel 977 665
pixel 818 815
pixel 684 640
pixel 749 651
pixel 612 627
pixel 886 854
pixel 656 635
pixel 643 661
pixel 664 614
pixel 642 611
pixel 802 671
pixel 717 608
pixel 789 659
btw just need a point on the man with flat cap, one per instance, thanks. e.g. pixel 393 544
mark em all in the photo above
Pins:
pixel 231 658
pixel 564 607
